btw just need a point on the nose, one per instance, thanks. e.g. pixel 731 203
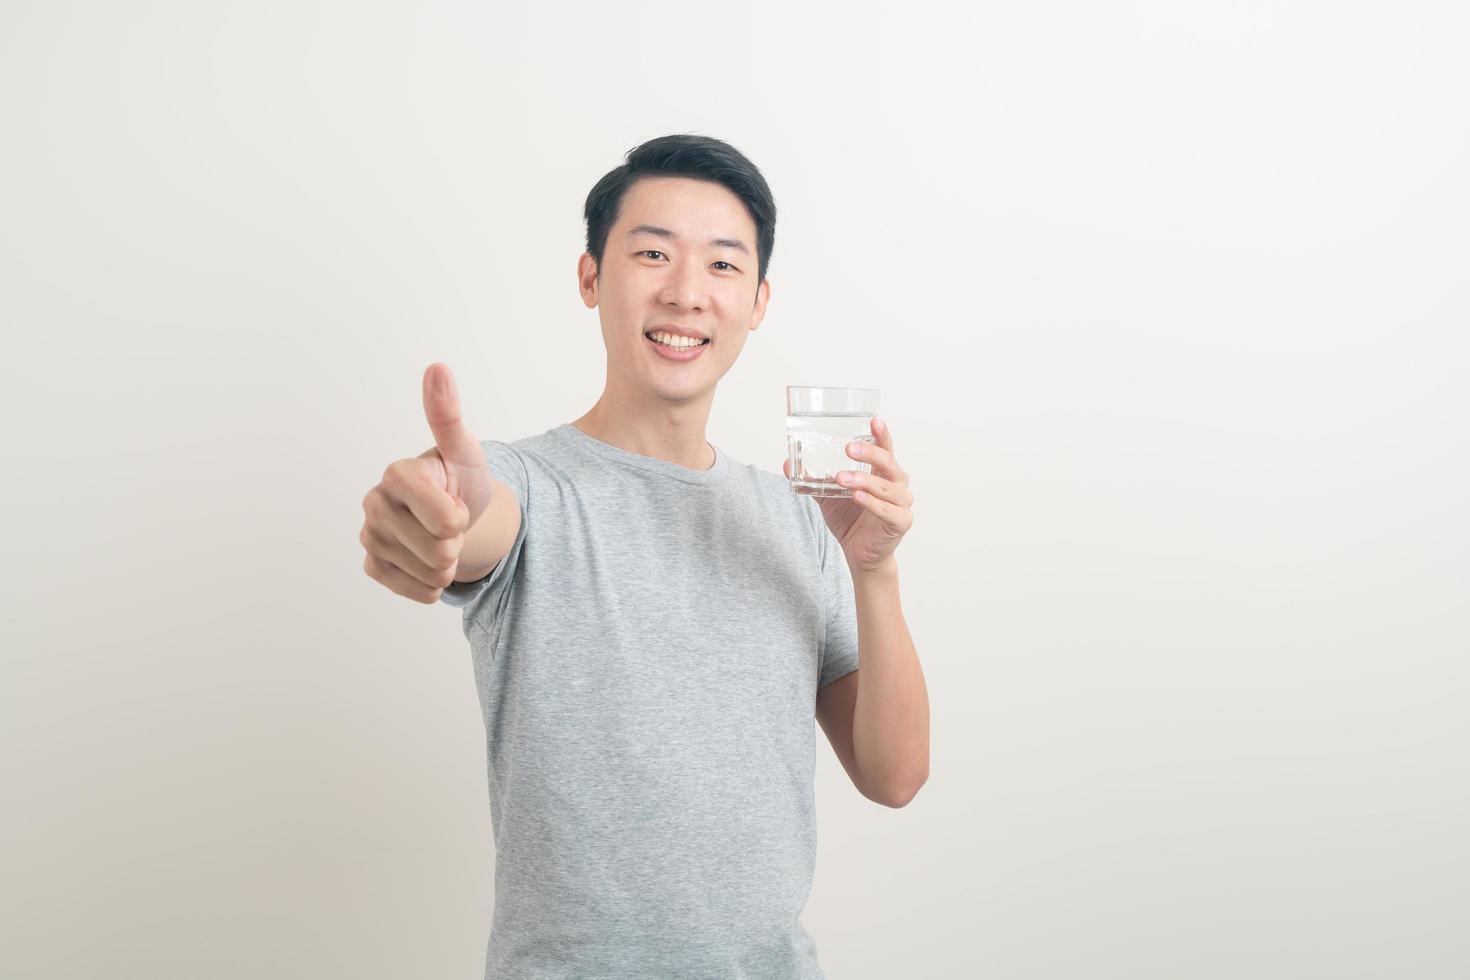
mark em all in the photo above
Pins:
pixel 685 286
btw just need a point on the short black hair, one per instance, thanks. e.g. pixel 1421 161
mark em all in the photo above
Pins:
pixel 684 155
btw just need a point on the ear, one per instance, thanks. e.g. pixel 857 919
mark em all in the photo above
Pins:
pixel 762 297
pixel 587 281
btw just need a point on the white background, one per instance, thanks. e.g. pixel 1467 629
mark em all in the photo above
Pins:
pixel 1168 306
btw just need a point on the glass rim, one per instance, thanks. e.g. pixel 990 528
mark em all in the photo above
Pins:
pixel 827 388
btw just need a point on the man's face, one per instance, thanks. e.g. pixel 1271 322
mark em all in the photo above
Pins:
pixel 674 256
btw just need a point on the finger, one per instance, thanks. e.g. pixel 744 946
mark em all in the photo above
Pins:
pixel 882 433
pixel 885 439
pixel 405 537
pixel 456 445
pixel 394 553
pixel 439 513
pixel 399 581
pixel 879 458
pixel 896 519
pixel 893 493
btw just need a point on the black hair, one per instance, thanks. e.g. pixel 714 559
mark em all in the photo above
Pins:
pixel 684 155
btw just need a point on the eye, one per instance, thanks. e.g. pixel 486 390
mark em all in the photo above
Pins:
pixel 653 251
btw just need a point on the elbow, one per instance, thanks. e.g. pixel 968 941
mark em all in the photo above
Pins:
pixel 903 794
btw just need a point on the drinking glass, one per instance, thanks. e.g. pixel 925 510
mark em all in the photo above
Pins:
pixel 820 422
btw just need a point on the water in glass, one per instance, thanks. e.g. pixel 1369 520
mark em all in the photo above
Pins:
pixel 817 447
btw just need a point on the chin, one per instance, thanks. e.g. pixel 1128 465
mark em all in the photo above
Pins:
pixel 672 395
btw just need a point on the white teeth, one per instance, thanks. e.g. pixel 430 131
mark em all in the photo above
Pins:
pixel 674 340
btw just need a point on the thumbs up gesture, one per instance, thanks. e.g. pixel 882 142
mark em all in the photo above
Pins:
pixel 418 514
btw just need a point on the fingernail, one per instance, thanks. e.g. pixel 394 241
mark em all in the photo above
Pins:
pixel 856 448
pixel 844 477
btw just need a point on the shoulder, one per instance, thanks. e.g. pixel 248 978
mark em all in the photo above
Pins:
pixel 524 452
pixel 777 500
pixel 523 464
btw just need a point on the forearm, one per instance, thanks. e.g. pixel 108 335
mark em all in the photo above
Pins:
pixel 890 726
pixel 489 538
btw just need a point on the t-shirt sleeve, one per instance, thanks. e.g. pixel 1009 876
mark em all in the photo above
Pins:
pixel 507 466
pixel 839 643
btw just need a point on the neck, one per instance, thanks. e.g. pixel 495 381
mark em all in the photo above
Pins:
pixel 671 433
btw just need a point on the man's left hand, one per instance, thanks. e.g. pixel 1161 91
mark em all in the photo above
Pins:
pixel 870 524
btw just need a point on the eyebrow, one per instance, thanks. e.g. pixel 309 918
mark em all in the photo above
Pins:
pixel 665 233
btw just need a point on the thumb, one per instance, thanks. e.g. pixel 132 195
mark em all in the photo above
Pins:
pixel 441 406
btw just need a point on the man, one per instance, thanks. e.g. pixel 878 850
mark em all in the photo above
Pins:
pixel 655 626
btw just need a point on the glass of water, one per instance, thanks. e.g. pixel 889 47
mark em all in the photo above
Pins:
pixel 820 422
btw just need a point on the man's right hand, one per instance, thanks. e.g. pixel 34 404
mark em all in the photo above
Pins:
pixel 418 514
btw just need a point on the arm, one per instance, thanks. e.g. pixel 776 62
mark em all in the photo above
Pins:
pixel 877 717
pixel 490 538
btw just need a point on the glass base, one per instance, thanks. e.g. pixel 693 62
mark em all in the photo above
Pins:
pixel 820 488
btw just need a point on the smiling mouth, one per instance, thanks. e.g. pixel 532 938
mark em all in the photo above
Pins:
pixel 702 343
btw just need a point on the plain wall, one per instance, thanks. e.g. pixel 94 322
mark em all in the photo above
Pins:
pixel 1168 307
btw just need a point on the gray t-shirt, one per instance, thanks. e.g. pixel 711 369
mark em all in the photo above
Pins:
pixel 647 658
